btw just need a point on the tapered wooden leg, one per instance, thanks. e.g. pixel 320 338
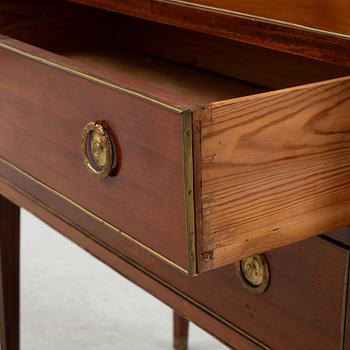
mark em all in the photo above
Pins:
pixel 9 275
pixel 180 340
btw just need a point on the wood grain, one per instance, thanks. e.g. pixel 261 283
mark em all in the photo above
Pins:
pixel 9 275
pixel 274 169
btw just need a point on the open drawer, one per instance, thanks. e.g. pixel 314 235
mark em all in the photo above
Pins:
pixel 205 170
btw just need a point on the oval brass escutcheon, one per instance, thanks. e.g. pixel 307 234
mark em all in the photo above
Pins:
pixel 98 149
pixel 254 273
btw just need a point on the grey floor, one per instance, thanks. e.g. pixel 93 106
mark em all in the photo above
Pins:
pixel 71 301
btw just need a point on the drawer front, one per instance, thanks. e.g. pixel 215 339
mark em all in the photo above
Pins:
pixel 302 308
pixel 44 106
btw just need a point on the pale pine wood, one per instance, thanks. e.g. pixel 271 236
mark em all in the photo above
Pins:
pixel 275 170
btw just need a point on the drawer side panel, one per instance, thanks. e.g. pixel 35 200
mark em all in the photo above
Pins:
pixel 275 169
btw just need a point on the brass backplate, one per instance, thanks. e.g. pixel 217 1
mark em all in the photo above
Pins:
pixel 254 273
pixel 98 149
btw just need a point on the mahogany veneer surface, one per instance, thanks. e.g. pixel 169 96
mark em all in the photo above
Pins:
pixel 274 168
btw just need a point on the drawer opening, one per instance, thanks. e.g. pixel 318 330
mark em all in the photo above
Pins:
pixel 192 65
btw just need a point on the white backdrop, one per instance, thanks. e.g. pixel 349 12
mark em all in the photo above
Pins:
pixel 71 301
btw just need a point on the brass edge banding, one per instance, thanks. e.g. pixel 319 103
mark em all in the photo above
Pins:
pixel 94 216
pixel 138 267
pixel 89 77
pixel 345 302
pixel 259 18
pixel 189 193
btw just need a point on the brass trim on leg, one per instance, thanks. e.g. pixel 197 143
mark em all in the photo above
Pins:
pixel 180 343
pixel 189 193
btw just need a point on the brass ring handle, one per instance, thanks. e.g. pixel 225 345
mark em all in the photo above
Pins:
pixel 254 273
pixel 98 149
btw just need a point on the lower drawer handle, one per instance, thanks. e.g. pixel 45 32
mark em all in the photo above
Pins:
pixel 98 149
pixel 254 273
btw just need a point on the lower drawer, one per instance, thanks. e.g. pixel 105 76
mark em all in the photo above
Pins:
pixel 302 308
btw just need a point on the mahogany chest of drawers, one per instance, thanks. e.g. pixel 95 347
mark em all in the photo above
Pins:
pixel 195 147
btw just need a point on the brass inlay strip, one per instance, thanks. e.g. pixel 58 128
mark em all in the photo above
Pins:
pixel 189 193
pixel 138 267
pixel 93 216
pixel 258 18
pixel 345 302
pixel 90 77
